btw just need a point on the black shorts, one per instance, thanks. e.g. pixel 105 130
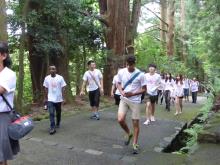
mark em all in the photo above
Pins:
pixel 152 99
pixel 117 99
pixel 94 98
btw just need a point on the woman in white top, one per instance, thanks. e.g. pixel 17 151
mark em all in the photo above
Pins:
pixel 8 147
pixel 168 88
pixel 179 94
pixel 194 86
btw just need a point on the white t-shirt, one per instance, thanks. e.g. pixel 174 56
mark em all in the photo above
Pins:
pixel 8 82
pixel 54 86
pixel 153 82
pixel 91 85
pixel 124 76
pixel 194 86
pixel 115 82
pixel 169 85
pixel 162 85
pixel 179 89
pixel 186 83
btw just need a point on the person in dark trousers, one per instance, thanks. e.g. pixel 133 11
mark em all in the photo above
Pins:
pixel 94 80
pixel 8 147
pixel 168 88
pixel 54 90
pixel 114 91
pixel 194 85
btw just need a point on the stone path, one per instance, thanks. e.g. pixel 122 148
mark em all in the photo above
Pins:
pixel 81 141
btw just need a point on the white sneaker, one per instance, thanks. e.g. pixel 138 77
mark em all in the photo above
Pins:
pixel 176 113
pixel 147 122
pixel 152 118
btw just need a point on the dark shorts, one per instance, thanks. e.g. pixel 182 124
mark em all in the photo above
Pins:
pixel 117 99
pixel 186 92
pixel 152 99
pixel 94 97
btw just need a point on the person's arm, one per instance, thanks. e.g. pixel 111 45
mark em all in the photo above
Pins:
pixel 102 89
pixel 113 89
pixel 2 90
pixel 45 94
pixel 82 92
pixel 120 89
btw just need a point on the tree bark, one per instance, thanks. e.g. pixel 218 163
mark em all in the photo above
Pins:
pixel 119 35
pixel 183 34
pixel 3 21
pixel 163 26
pixel 170 35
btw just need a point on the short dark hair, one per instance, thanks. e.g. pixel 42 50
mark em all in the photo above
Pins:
pixel 4 49
pixel 152 65
pixel 131 59
pixel 90 61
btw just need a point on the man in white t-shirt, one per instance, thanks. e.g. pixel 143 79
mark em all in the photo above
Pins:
pixel 54 90
pixel 114 91
pixel 153 83
pixel 131 85
pixel 94 80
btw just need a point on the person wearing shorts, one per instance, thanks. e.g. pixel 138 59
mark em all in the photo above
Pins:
pixel 153 80
pixel 115 92
pixel 131 99
pixel 178 88
pixel 94 80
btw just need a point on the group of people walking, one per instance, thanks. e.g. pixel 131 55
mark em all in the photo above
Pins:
pixel 128 88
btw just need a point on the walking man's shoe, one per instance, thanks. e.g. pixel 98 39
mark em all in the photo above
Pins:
pixel 129 137
pixel 135 149
pixel 52 131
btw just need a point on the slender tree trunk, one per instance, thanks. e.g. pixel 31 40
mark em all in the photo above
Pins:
pixel 78 73
pixel 3 21
pixel 163 26
pixel 182 19
pixel 170 35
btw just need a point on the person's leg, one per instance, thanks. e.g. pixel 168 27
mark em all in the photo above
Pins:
pixel 177 106
pixel 51 110
pixel 166 99
pixel 96 103
pixel 122 111
pixel 58 113
pixel 181 104
pixel 136 130
pixel 193 97
pixel 148 112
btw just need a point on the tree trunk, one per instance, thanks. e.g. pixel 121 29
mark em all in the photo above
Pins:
pixel 182 19
pixel 163 26
pixel 119 35
pixel 3 21
pixel 170 35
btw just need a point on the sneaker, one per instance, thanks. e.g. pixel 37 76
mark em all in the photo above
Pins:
pixel 176 113
pixel 135 148
pixel 152 118
pixel 93 116
pixel 52 131
pixel 147 122
pixel 129 137
pixel 97 117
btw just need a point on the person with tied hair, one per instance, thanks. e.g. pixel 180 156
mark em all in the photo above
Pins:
pixel 8 147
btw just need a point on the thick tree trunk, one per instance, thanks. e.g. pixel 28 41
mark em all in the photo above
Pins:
pixel 37 59
pixel 119 35
pixel 163 26
pixel 3 21
pixel 170 35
